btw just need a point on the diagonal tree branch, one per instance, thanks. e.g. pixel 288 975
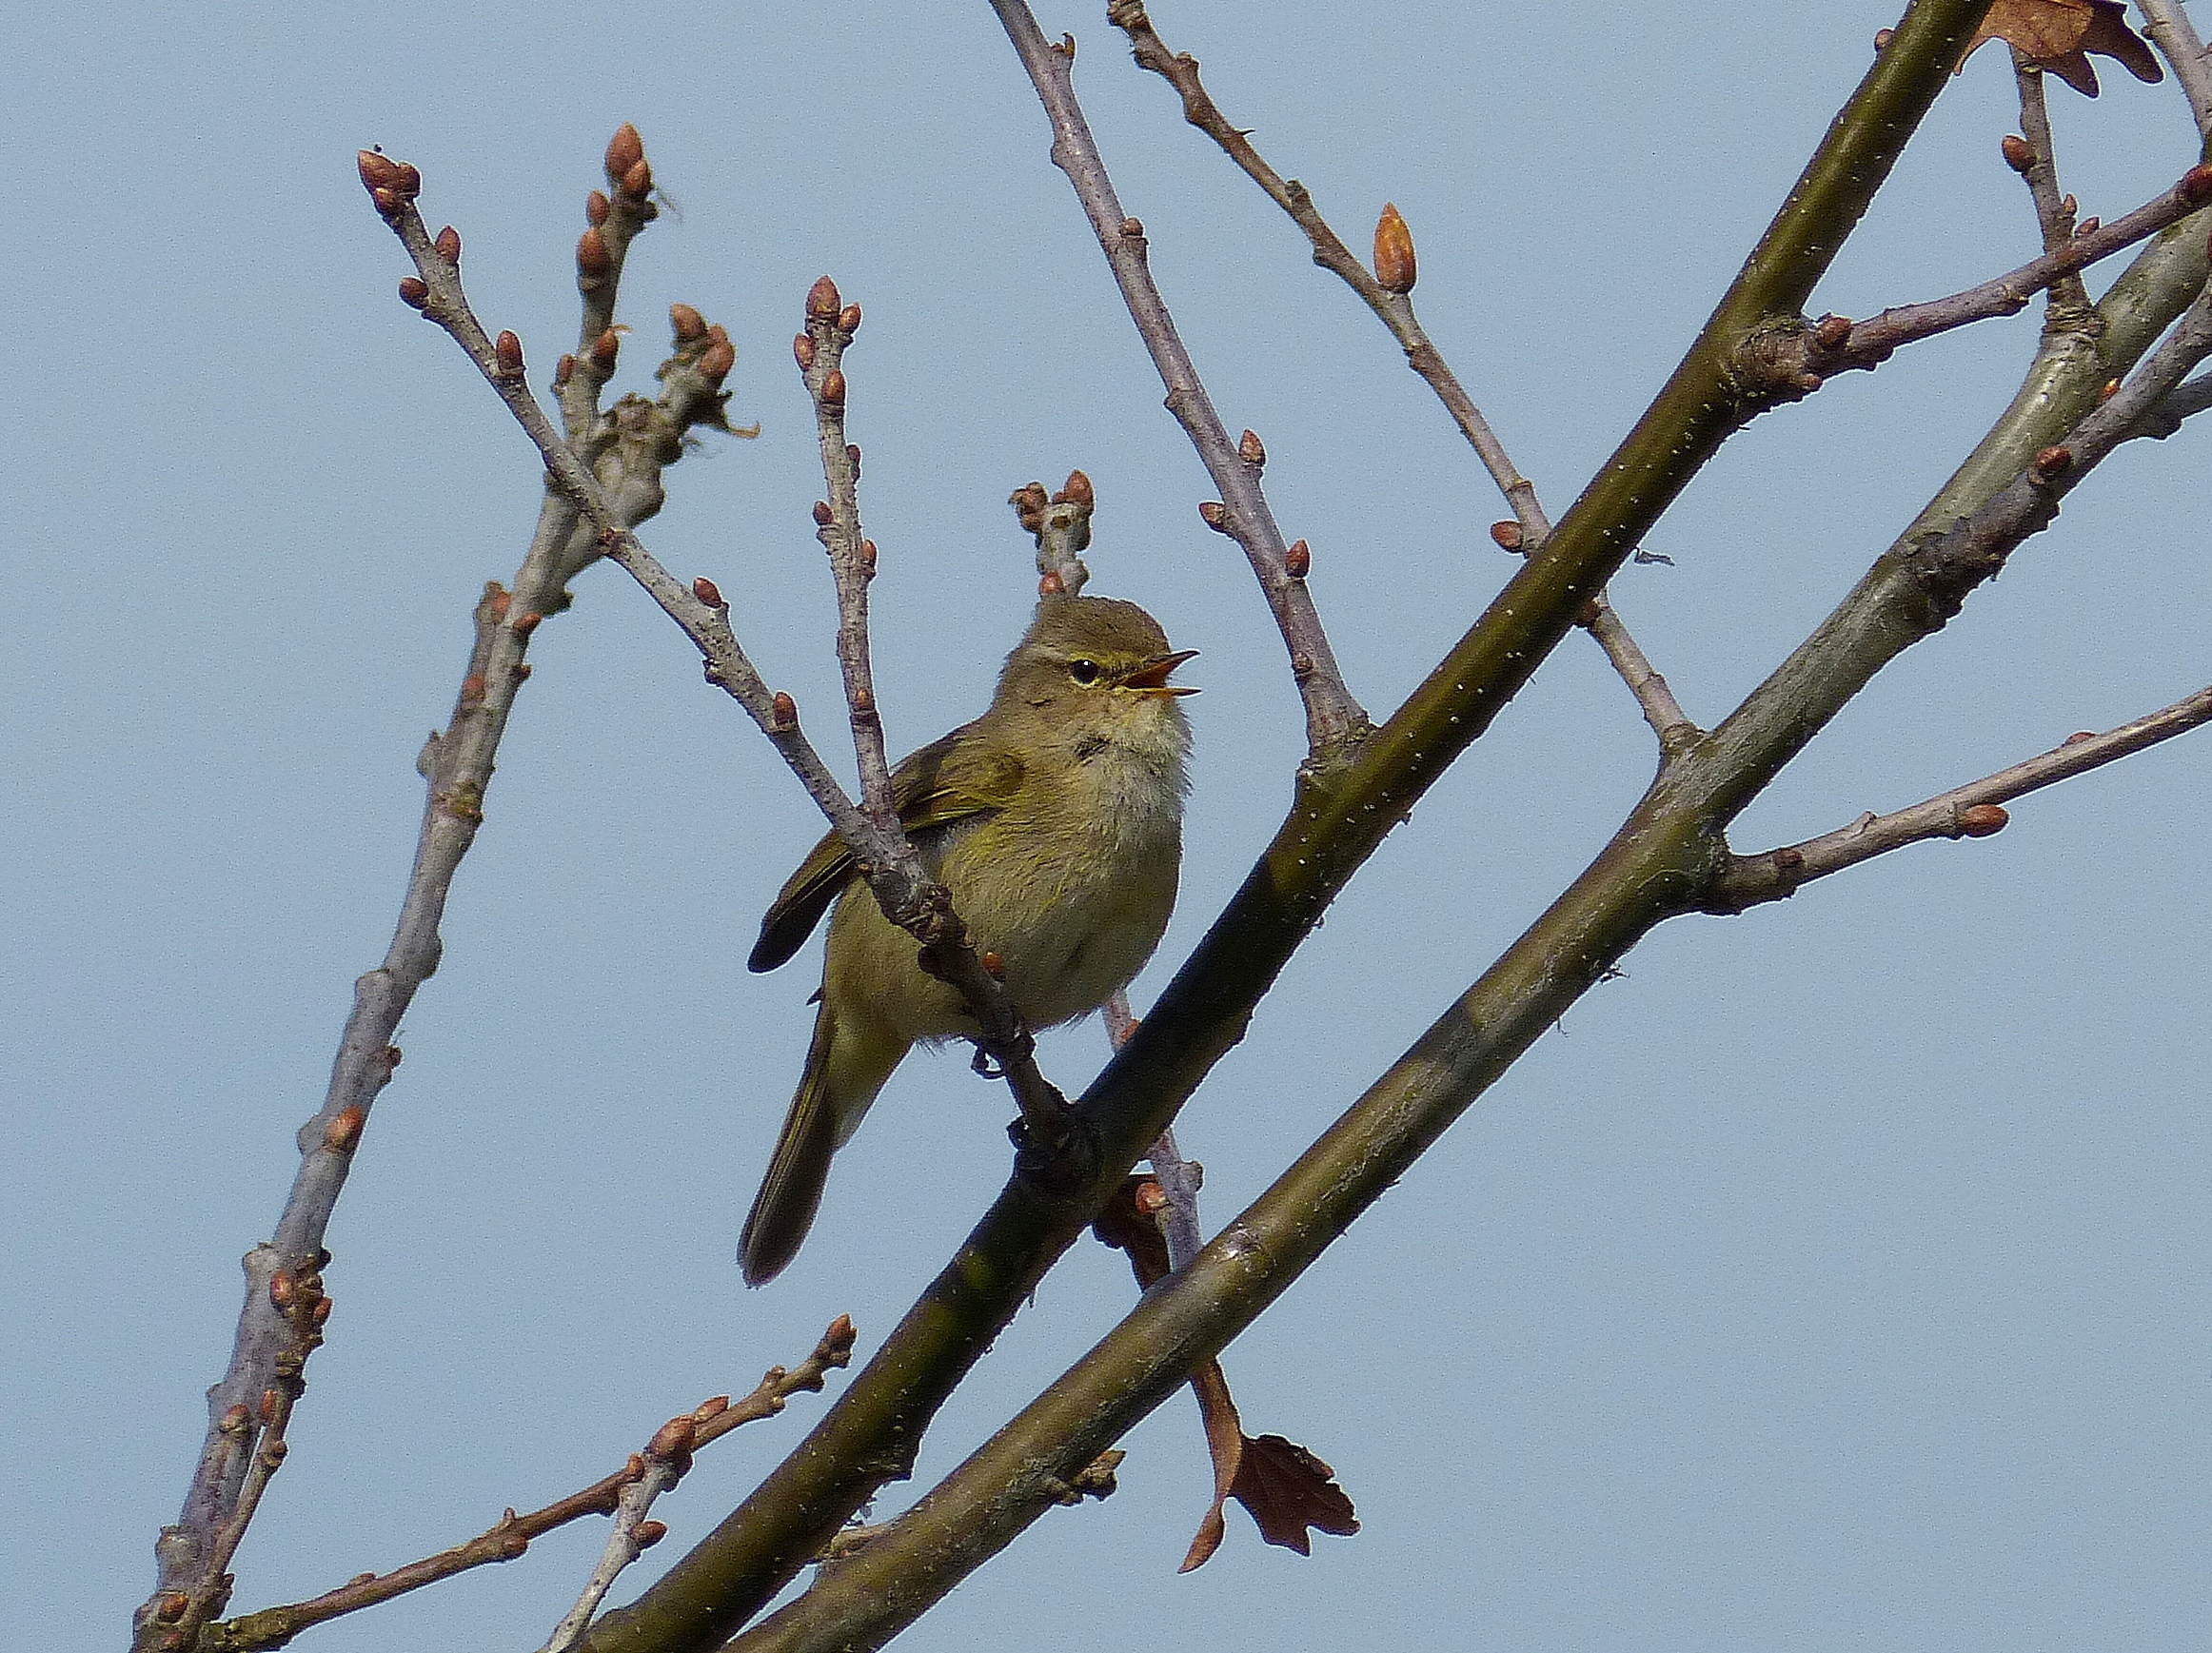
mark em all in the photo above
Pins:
pixel 869 1436
pixel 1335 723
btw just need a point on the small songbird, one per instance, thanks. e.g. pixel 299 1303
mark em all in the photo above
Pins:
pixel 1055 822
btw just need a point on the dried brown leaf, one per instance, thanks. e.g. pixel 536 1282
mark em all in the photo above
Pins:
pixel 1288 1490
pixel 2059 36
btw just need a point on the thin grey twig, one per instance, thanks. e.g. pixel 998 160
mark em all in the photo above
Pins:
pixel 1335 721
pixel 820 352
pixel 1970 810
pixel 1060 525
pixel 2167 24
pixel 2183 402
pixel 1179 1179
pixel 457 765
pixel 511 1535
pixel 1393 305
pixel 1056 1143
pixel 611 223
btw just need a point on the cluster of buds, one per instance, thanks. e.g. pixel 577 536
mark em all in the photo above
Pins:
pixel 392 184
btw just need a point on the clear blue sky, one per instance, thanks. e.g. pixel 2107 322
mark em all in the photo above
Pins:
pixel 1835 1280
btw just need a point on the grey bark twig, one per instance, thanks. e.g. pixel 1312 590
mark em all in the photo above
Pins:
pixel 1974 810
pixel 1393 305
pixel 1060 525
pixel 191 1555
pixel 1179 1179
pixel 1335 723
pixel 2167 24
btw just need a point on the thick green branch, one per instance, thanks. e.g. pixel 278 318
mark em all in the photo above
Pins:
pixel 870 1434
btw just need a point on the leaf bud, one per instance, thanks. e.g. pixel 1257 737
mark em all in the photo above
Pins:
pixel 344 1132
pixel 1132 229
pixel 2196 185
pixel 833 389
pixel 593 260
pixel 802 352
pixel 2050 465
pixel 849 319
pixel 1979 820
pixel 1079 491
pixel 708 592
pixel 1251 449
pixel 651 1533
pixel 508 354
pixel 1506 533
pixel 823 516
pixel 721 356
pixel 2089 227
pixel 1298 561
pixel 2017 154
pixel 686 322
pixel 868 555
pixel 596 208
pixel 449 244
pixel 605 349
pixel 822 301
pixel 785 709
pixel 1394 266
pixel 414 292
pixel 1834 333
pixel 672 1442
pixel 1215 515
pixel 638 181
pixel 624 150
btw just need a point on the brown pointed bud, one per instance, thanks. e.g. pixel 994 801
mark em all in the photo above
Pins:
pixel 1788 861
pixel 1834 333
pixel 823 516
pixel 414 292
pixel 672 1442
pixel 2068 205
pixel 2050 465
pixel 718 334
pixel 449 244
pixel 596 208
pixel 1079 490
pixel 2077 737
pixel 1251 449
pixel 280 1289
pixel 270 1400
pixel 1508 535
pixel 849 319
pixel 392 1054
pixel 1883 37
pixel 593 260
pixel 1132 229
pixel 721 356
pixel 377 170
pixel 686 322
pixel 2017 154
pixel 563 372
pixel 638 181
pixel 1051 585
pixel 472 689
pixel 508 354
pixel 1980 819
pixel 1298 561
pixel 822 301
pixel 388 202
pixel 868 555
pixel 994 966
pixel 1395 265
pixel 527 623
pixel 2196 185
pixel 236 1421
pixel 802 352
pixel 171 1606
pixel 1214 514
pixel 708 592
pixel 322 1310
pixel 624 150
pixel 2089 227
pixel 359 1578
pixel 862 703
pixel 651 1533
pixel 785 710
pixel 1148 1198
pixel 2106 391
pixel 635 1469
pixel 605 349
pixel 344 1132
pixel 833 388
pixel 709 1410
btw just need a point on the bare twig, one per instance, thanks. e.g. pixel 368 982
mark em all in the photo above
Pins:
pixel 1971 810
pixel 1335 723
pixel 1867 344
pixel 1178 1179
pixel 510 1536
pixel 457 766
pixel 2068 303
pixel 1061 523
pixel 1056 1147
pixel 1393 305
pixel 2170 30
pixel 611 223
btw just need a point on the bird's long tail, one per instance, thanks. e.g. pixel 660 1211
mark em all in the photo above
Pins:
pixel 845 1067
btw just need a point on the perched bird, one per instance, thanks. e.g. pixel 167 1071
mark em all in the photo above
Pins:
pixel 1055 822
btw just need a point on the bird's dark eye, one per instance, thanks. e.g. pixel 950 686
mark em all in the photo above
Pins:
pixel 1084 671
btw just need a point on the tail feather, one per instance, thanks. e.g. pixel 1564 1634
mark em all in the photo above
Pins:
pixel 842 1078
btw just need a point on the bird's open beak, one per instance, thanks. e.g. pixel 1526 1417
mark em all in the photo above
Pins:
pixel 1151 677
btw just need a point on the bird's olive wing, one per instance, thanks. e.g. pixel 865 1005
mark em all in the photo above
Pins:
pixel 952 780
